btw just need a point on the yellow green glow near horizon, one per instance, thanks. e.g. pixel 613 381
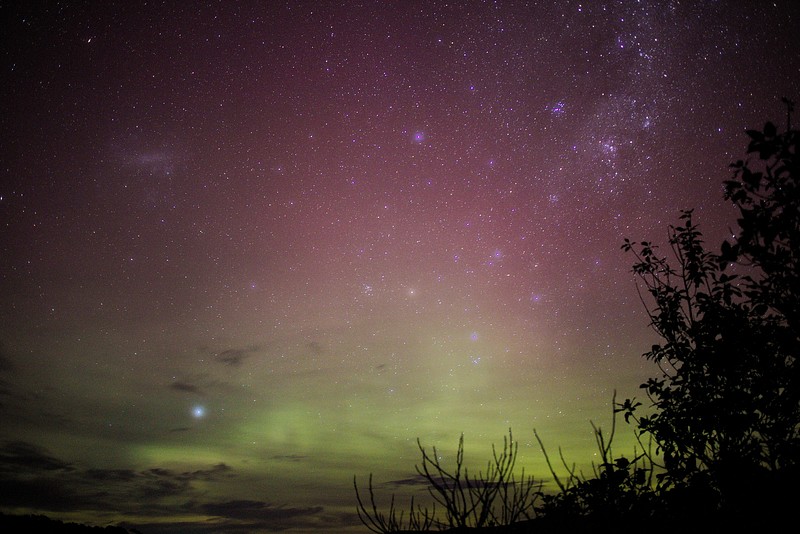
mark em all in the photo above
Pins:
pixel 249 252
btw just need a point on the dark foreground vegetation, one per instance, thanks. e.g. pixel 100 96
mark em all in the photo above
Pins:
pixel 720 436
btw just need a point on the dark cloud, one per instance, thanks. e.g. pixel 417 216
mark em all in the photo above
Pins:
pixel 160 481
pixel 41 493
pixel 235 357
pixel 5 362
pixel 6 367
pixel 250 516
pixel 315 347
pixel 119 475
pixel 246 509
pixel 416 480
pixel 185 527
pixel 30 477
pixel 5 389
pixel 22 455
pixel 290 457
pixel 216 471
pixel 185 387
pixel 33 478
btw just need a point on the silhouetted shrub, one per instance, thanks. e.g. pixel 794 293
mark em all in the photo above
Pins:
pixel 494 497
pixel 725 410
pixel 727 403
pixel 618 488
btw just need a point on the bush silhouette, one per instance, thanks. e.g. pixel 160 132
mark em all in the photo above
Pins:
pixel 495 497
pixel 723 424
pixel 618 488
pixel 727 403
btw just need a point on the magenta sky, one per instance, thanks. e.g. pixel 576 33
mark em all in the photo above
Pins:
pixel 250 249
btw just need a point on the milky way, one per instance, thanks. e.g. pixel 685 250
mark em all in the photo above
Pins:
pixel 252 249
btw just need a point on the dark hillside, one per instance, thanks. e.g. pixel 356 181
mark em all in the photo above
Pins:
pixel 12 524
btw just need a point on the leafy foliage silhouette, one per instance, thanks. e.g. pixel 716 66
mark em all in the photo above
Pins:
pixel 724 412
pixel 727 403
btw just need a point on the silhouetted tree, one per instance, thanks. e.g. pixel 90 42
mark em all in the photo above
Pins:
pixel 495 497
pixel 726 408
pixel 768 200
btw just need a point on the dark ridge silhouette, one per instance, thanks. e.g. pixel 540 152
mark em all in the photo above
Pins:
pixel 13 524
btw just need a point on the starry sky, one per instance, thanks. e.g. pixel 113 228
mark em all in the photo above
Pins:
pixel 249 250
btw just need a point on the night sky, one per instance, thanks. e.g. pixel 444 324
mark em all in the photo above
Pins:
pixel 251 249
